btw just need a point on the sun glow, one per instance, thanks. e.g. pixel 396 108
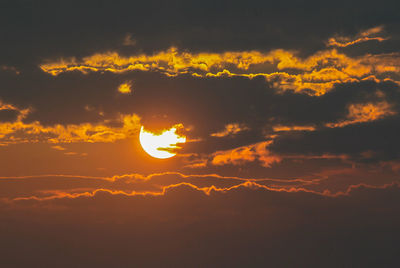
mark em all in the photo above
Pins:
pixel 161 145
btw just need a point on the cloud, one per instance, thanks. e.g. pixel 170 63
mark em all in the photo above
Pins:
pixel 205 190
pixel 250 153
pixel 129 41
pixel 280 128
pixel 352 138
pixel 58 148
pixel 237 220
pixel 75 154
pixel 362 113
pixel 7 68
pixel 8 114
pixel 8 106
pixel 318 72
pixel 198 163
pixel 20 132
pixel 230 129
pixel 125 88
pixel 47 187
pixel 363 36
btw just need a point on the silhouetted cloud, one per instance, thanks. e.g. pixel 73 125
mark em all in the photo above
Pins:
pixel 243 223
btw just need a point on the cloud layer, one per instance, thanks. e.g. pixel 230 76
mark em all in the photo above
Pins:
pixel 247 225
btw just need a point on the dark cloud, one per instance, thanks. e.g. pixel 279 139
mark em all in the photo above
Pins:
pixel 60 29
pixel 243 227
pixel 208 104
pixel 8 115
pixel 378 137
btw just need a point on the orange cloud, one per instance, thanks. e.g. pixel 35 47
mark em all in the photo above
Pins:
pixel 74 153
pixel 58 148
pixel 241 155
pixel 280 128
pixel 208 190
pixel 318 72
pixel 7 106
pixel 361 113
pixel 364 36
pixel 20 132
pixel 197 163
pixel 159 184
pixel 230 129
pixel 125 88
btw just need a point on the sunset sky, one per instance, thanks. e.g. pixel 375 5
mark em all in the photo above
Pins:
pixel 200 133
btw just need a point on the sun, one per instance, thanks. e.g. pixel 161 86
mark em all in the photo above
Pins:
pixel 161 145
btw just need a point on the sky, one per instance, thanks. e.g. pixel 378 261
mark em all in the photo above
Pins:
pixel 272 133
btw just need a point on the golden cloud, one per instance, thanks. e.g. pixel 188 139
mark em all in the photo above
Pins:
pixel 58 148
pixel 125 88
pixel 364 36
pixel 249 153
pixel 280 128
pixel 361 113
pixel 318 72
pixel 20 132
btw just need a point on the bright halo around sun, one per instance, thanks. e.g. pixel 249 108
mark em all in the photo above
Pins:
pixel 161 145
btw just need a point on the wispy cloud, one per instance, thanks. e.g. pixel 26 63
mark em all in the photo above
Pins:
pixel 363 36
pixel 364 112
pixel 244 154
pixel 230 130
